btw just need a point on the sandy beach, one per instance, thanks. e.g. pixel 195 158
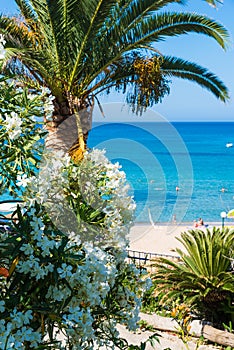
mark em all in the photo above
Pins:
pixel 159 238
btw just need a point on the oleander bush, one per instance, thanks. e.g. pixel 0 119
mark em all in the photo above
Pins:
pixel 64 279
pixel 21 132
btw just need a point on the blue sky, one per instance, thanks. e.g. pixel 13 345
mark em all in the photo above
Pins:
pixel 187 101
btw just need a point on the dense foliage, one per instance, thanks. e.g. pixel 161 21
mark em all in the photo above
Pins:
pixel 204 277
pixel 64 279
pixel 80 49
pixel 21 131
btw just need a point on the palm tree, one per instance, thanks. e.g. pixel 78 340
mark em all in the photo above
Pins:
pixel 81 48
pixel 203 277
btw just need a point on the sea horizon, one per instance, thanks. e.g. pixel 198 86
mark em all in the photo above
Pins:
pixel 157 157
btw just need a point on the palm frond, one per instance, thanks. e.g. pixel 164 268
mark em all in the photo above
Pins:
pixel 79 47
pixel 176 67
pixel 48 28
pixel 129 13
pixel 150 30
pixel 26 10
pixel 202 278
pixel 158 27
pixel 97 9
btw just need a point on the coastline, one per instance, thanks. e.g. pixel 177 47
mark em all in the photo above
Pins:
pixel 161 238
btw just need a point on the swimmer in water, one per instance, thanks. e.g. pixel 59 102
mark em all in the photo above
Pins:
pixel 223 189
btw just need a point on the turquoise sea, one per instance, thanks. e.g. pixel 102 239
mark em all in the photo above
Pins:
pixel 158 157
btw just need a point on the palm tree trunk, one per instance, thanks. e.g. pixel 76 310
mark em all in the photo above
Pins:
pixel 68 131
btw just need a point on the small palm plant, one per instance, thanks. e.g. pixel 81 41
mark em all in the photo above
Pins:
pixel 203 278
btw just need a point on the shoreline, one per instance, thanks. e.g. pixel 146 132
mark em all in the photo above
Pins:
pixel 180 223
pixel 161 238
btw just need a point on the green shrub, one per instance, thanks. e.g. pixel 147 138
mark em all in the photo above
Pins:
pixel 204 278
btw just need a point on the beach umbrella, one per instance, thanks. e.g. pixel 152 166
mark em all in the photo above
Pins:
pixel 230 214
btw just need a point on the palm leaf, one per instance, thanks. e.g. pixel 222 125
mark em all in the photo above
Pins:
pixel 204 276
pixel 156 28
pixel 177 67
pixel 151 29
pixel 81 48
pixel 101 7
pixel 26 10
pixel 82 61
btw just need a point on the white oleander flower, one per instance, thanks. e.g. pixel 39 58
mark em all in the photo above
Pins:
pixel 2 45
pixel 65 270
pixel 2 39
pixel 32 96
pixel 38 234
pixel 49 107
pixel 32 211
pixel 2 52
pixel 74 237
pixel 27 249
pixel 34 268
pixel 22 181
pixel 13 125
pixel 79 324
pixel 28 334
pixel 58 293
pixel 46 244
pixel 97 156
pixel 37 224
pixel 45 91
pixel 28 265
pixel 18 318
pixel 2 328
